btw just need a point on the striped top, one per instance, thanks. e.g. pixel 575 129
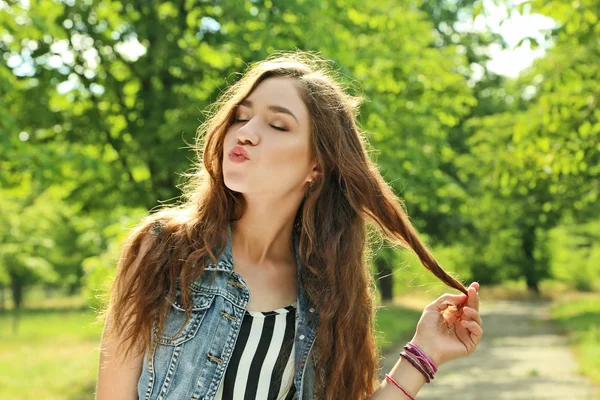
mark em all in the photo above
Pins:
pixel 262 363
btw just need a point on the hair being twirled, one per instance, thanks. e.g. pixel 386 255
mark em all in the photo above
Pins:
pixel 174 244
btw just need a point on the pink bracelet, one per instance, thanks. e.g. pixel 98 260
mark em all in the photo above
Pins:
pixel 415 364
pixel 414 349
pixel 389 378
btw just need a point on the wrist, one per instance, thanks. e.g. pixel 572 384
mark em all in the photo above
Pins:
pixel 409 378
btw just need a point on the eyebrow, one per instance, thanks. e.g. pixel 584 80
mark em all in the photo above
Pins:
pixel 274 108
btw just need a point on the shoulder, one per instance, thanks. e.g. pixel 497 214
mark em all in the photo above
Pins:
pixel 166 222
pixel 153 234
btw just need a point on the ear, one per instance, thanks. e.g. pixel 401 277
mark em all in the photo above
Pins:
pixel 315 172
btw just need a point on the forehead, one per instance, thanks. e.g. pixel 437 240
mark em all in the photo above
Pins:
pixel 279 91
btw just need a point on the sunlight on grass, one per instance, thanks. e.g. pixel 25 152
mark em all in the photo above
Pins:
pixel 53 355
pixel 580 318
pixel 394 324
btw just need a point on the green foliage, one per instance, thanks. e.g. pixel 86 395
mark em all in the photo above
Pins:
pixel 99 99
pixel 99 269
pixel 575 255
pixel 539 159
pixel 121 84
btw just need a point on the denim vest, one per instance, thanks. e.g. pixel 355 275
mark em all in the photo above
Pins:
pixel 190 364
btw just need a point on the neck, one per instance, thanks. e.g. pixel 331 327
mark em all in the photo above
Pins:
pixel 263 236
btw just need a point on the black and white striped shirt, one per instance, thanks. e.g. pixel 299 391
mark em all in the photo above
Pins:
pixel 262 363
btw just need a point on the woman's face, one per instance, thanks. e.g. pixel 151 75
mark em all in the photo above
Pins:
pixel 271 127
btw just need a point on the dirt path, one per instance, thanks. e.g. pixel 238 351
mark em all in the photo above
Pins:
pixel 520 357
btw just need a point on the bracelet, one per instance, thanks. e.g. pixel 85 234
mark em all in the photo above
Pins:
pixel 408 358
pixel 419 360
pixel 424 364
pixel 413 348
pixel 389 378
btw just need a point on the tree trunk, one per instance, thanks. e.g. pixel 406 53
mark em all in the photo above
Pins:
pixel 384 278
pixel 16 285
pixel 529 268
pixel 2 299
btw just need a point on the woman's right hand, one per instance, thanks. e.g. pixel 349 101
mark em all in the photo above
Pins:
pixel 450 326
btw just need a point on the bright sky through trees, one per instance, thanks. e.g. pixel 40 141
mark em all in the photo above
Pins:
pixel 513 28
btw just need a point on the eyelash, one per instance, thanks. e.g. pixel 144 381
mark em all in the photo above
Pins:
pixel 277 128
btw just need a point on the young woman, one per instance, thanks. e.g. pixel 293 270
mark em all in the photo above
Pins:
pixel 257 286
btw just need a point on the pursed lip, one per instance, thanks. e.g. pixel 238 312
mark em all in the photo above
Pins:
pixel 239 151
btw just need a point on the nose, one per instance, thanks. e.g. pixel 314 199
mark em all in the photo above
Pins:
pixel 248 132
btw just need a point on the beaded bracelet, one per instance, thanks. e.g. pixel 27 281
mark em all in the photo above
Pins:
pixel 389 378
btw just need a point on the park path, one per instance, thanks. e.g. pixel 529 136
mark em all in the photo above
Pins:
pixel 521 356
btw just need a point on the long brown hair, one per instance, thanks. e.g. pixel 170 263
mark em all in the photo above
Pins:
pixel 174 244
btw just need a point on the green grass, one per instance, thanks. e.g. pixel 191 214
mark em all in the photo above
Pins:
pixel 580 319
pixel 394 324
pixel 53 355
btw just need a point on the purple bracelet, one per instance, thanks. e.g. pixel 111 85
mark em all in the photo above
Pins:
pixel 422 363
pixel 414 349
pixel 416 365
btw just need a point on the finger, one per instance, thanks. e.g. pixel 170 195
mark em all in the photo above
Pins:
pixel 472 315
pixel 473 327
pixel 444 300
pixel 464 334
pixel 473 300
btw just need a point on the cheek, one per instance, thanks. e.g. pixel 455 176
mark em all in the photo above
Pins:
pixel 229 140
pixel 228 137
pixel 289 156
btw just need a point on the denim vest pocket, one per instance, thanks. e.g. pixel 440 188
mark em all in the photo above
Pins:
pixel 175 320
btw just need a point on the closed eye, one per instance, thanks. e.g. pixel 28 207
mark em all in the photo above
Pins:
pixel 239 120
pixel 278 128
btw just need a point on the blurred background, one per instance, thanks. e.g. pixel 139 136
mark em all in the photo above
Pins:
pixel 482 114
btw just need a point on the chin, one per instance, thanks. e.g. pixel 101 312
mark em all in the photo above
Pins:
pixel 236 185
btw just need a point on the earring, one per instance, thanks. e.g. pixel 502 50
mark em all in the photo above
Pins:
pixel 311 183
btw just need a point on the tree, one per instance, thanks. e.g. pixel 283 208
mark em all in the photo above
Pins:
pixel 543 159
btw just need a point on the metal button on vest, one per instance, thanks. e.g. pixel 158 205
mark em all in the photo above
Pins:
pixel 311 309
pixel 301 337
